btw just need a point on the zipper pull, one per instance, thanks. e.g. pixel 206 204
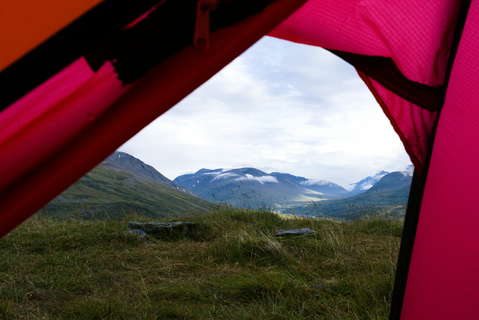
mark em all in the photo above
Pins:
pixel 202 28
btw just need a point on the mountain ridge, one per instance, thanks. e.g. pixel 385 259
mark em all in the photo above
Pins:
pixel 123 184
pixel 119 187
pixel 241 185
pixel 135 166
pixel 387 197
pixel 366 183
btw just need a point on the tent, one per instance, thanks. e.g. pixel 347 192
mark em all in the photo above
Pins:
pixel 79 78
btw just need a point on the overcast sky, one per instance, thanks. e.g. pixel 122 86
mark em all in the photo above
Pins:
pixel 279 107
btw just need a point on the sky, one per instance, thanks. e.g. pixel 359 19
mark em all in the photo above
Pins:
pixel 279 107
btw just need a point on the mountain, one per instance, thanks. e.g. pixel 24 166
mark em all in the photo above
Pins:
pixel 123 185
pixel 365 184
pixel 127 163
pixel 388 196
pixel 254 188
pixel 392 181
pixel 328 189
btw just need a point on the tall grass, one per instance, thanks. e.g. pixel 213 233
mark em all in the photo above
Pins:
pixel 230 267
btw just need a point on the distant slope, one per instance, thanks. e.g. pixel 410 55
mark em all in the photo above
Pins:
pixel 388 196
pixel 114 189
pixel 390 182
pixel 366 183
pixel 249 187
pixel 329 190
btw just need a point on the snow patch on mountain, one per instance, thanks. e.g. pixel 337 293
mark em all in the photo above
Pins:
pixel 224 175
pixel 214 173
pixel 261 179
pixel 366 183
pixel 350 187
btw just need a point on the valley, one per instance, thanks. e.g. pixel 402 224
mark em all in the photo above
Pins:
pixel 123 185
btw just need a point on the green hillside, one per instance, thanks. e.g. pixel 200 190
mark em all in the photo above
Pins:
pixel 388 197
pixel 109 192
pixel 378 202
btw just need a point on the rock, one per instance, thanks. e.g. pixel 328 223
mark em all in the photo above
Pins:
pixel 136 232
pixel 163 228
pixel 293 232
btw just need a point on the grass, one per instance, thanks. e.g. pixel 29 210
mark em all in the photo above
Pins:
pixel 229 268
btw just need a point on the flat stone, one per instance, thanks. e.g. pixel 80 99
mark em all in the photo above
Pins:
pixel 293 232
pixel 160 228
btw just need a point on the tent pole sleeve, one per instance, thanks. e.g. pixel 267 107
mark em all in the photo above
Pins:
pixel 407 243
pixel 411 222
pixel 417 187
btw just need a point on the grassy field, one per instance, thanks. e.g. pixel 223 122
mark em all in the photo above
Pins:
pixel 229 268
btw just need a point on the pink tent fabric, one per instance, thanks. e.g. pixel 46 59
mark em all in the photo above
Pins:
pixel 413 124
pixel 73 120
pixel 443 281
pixel 70 102
pixel 415 34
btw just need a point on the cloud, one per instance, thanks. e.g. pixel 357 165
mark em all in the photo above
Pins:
pixel 278 107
